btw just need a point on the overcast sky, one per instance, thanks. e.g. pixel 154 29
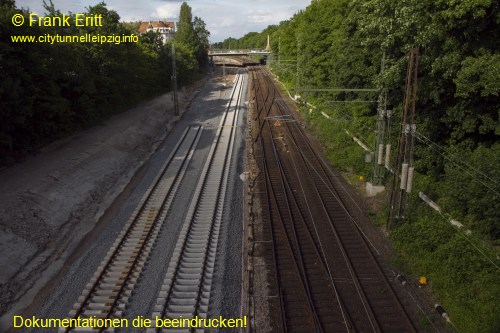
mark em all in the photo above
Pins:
pixel 224 18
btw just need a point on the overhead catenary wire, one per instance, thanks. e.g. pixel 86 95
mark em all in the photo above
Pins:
pixel 355 138
pixel 461 233
pixel 430 144
pixel 440 150
pixel 469 166
pixel 354 120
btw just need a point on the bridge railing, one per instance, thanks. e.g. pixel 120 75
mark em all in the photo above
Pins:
pixel 237 51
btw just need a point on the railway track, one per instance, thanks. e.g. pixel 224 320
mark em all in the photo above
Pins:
pixel 186 288
pixel 110 288
pixel 185 292
pixel 336 273
pixel 306 291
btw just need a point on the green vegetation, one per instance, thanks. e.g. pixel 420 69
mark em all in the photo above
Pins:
pixel 340 43
pixel 50 91
pixel 252 40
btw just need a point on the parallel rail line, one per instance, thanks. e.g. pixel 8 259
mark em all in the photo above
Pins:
pixel 303 284
pixel 378 299
pixel 339 278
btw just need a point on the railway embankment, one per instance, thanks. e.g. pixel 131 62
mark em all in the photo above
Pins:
pixel 50 201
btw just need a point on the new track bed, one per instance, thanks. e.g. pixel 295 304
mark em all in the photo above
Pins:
pixel 108 292
pixel 185 291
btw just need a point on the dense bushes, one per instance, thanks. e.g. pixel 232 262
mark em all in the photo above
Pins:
pixel 461 277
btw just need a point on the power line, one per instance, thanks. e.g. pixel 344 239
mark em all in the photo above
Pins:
pixel 446 152
pixel 461 233
pixel 419 137
pixel 354 120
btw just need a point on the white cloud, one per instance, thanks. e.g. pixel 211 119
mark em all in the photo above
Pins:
pixel 226 22
pixel 224 18
pixel 268 16
pixel 169 10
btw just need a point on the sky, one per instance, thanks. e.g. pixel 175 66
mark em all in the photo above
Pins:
pixel 223 18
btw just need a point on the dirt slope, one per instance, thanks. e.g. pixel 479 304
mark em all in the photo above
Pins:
pixel 50 201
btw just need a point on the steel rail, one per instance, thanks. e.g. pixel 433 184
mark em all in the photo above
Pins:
pixel 319 249
pixel 326 269
pixel 256 88
pixel 373 309
pixel 343 252
pixel 272 198
pixel 287 188
pixel 186 288
pixel 295 235
pixel 132 264
pixel 334 190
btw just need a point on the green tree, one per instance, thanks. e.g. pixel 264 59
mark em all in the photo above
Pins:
pixel 185 32
pixel 193 35
pixel 202 35
pixel 7 3
pixel 49 91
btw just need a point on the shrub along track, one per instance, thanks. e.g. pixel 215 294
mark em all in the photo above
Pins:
pixel 321 268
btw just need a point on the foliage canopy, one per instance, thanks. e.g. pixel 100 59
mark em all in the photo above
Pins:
pixel 340 43
pixel 50 91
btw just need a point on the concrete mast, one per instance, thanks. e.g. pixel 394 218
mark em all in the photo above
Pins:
pixel 268 47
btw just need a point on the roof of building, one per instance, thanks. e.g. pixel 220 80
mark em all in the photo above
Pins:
pixel 143 27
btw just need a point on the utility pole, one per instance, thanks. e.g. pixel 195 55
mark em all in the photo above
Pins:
pixel 403 173
pixel 382 113
pixel 279 50
pixel 174 82
pixel 297 82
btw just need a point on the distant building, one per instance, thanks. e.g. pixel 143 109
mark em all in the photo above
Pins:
pixel 166 29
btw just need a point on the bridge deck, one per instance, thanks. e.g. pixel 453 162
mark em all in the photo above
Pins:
pixel 237 53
